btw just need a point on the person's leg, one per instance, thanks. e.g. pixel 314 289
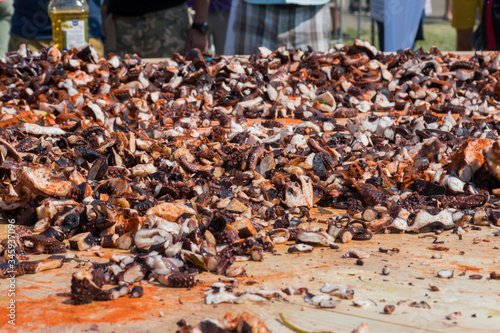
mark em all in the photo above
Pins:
pixel 464 17
pixel 420 30
pixel 230 35
pixel 495 24
pixel 463 40
pixel 381 36
pixel 108 29
pixel 447 11
pixel 309 26
pixel 218 22
pixel 120 32
pixel 353 6
pixel 162 33
pixel 152 35
pixel 6 11
pixel 255 26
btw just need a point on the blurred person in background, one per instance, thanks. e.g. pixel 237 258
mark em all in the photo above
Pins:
pixel 6 11
pixel 447 11
pixel 487 35
pixel 354 5
pixel 155 28
pixel 31 25
pixel 464 18
pixel 274 23
pixel 218 18
pixel 377 14
pixel 427 11
pixel 397 25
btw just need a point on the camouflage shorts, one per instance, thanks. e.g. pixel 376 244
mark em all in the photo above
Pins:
pixel 152 35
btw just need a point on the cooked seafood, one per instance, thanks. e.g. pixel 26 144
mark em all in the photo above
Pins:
pixel 189 163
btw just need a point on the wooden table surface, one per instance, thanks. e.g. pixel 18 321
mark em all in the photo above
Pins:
pixel 43 300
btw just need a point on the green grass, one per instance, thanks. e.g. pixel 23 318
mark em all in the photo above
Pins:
pixel 441 35
pixel 365 35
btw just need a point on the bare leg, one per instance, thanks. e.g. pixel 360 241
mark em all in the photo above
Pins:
pixel 447 14
pixel 354 5
pixel 463 40
pixel 6 11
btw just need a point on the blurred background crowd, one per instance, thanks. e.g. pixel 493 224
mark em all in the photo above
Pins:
pixel 158 28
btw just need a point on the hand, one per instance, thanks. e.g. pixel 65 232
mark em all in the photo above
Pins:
pixel 196 39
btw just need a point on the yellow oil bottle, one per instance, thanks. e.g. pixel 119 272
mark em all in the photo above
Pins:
pixel 70 23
